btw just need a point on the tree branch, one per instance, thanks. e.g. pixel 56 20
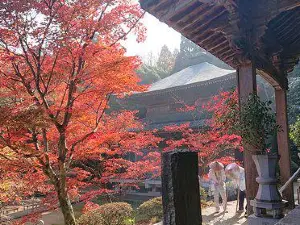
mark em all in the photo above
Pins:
pixel 98 118
pixel 130 29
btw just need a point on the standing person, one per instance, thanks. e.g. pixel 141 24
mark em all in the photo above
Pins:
pixel 237 174
pixel 217 178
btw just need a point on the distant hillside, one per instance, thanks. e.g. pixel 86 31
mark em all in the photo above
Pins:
pixel 148 74
pixel 294 94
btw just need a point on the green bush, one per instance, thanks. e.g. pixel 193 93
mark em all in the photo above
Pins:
pixel 90 218
pixel 295 132
pixel 150 211
pixel 117 213
pixel 203 194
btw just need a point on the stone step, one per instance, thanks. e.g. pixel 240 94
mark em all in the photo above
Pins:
pixel 292 218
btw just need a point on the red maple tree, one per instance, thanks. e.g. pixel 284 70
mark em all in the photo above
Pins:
pixel 214 140
pixel 60 61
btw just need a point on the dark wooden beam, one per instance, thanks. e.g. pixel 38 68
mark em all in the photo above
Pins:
pixel 183 9
pixel 290 27
pixel 275 78
pixel 149 4
pixel 294 40
pixel 285 5
pixel 246 76
pixel 229 4
pixel 270 79
pixel 164 7
pixel 207 36
pixel 217 21
pixel 223 51
pixel 217 40
pixel 176 10
pixel 216 45
pixel 280 19
pixel 229 56
pixel 291 35
pixel 185 19
pixel 206 14
pixel 283 144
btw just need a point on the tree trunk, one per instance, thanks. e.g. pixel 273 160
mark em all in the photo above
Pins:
pixel 66 208
pixel 61 186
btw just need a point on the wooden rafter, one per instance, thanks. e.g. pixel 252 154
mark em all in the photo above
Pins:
pixel 229 29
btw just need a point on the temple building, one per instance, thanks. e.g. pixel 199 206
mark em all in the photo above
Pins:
pixel 164 102
pixel 253 37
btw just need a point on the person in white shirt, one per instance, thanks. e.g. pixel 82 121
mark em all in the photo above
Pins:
pixel 237 174
pixel 217 179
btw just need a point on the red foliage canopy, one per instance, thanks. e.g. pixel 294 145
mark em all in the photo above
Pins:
pixel 213 141
pixel 60 61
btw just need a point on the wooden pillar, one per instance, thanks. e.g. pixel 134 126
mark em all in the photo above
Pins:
pixel 283 144
pixel 246 76
pixel 180 188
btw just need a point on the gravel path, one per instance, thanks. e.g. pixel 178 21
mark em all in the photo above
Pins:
pixel 230 218
pixel 208 214
pixel 53 217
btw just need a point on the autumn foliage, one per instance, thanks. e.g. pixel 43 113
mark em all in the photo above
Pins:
pixel 60 61
pixel 115 213
pixel 214 140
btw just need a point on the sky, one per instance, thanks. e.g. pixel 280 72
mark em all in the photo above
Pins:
pixel 158 34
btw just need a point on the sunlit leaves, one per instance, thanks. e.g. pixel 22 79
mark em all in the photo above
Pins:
pixel 60 61
pixel 257 123
pixel 295 132
pixel 216 140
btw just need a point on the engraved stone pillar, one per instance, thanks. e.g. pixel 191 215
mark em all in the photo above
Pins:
pixel 180 188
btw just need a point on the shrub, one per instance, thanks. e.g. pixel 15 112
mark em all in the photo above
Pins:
pixel 150 211
pixel 257 124
pixel 295 132
pixel 117 213
pixel 203 194
pixel 90 218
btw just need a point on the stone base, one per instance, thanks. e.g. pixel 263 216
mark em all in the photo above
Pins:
pixel 263 209
pixel 293 217
pixel 269 205
pixel 254 220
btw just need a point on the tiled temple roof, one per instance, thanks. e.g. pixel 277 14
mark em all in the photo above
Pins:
pixel 190 75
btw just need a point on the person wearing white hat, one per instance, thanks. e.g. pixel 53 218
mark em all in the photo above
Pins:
pixel 237 174
pixel 217 178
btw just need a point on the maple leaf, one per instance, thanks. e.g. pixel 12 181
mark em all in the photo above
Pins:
pixel 60 62
pixel 215 143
